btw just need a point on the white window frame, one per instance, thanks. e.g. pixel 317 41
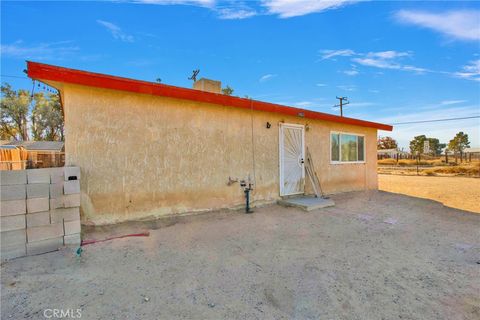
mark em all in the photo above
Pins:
pixel 340 147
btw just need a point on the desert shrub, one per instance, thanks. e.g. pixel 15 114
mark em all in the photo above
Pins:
pixel 467 169
pixel 405 162
pixel 387 162
pixel 413 162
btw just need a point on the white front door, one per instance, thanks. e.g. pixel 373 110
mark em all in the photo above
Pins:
pixel 292 154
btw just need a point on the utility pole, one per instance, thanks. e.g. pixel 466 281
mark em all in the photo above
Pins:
pixel 342 103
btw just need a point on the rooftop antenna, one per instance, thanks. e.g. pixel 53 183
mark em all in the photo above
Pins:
pixel 194 75
pixel 342 103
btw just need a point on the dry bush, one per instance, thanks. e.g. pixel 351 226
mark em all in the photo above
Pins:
pixel 413 162
pixel 429 157
pixel 387 162
pixel 471 169
pixel 406 162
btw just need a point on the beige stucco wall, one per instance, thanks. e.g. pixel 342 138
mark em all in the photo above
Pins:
pixel 143 155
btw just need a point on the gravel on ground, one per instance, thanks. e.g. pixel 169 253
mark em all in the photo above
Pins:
pixel 375 255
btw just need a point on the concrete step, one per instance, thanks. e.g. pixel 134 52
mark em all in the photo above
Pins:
pixel 307 203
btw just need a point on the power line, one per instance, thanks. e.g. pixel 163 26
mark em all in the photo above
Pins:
pixel 10 76
pixel 436 120
pixel 341 99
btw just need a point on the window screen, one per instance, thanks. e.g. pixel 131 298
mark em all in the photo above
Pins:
pixel 361 149
pixel 335 147
pixel 347 147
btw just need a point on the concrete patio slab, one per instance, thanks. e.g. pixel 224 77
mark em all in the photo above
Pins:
pixel 307 203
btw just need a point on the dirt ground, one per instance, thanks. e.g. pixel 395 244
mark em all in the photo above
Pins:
pixel 456 192
pixel 374 255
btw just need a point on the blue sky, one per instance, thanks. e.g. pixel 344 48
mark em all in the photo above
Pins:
pixel 395 61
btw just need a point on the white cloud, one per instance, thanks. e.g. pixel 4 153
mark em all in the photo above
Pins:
pixel 329 54
pixel 443 113
pixel 42 51
pixel 201 3
pixel 266 77
pixel 388 60
pixel 450 102
pixel 235 13
pixel 321 85
pixel 377 63
pixel 441 104
pixel 116 31
pixel 294 8
pixel 225 10
pixel 351 72
pixel 470 71
pixel 394 60
pixel 347 87
pixel 239 10
pixel 230 10
pixel 414 69
pixel 458 24
pixel 390 54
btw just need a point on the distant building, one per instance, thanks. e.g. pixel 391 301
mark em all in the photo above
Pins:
pixel 41 154
pixel 472 150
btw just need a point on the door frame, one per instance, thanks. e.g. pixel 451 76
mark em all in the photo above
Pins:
pixel 281 151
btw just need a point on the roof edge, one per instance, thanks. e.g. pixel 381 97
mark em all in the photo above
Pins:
pixel 41 71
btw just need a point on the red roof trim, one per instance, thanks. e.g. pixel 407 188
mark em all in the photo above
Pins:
pixel 42 71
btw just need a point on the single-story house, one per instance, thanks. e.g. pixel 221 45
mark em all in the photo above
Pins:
pixel 148 149
pixel 471 150
pixel 37 146
pixel 41 154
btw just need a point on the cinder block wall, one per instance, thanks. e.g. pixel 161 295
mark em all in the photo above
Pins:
pixel 40 210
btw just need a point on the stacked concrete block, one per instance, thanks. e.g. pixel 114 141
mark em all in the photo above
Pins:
pixel 69 218
pixel 70 212
pixel 39 210
pixel 44 238
pixel 13 209
pixel 56 188
pixel 14 244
